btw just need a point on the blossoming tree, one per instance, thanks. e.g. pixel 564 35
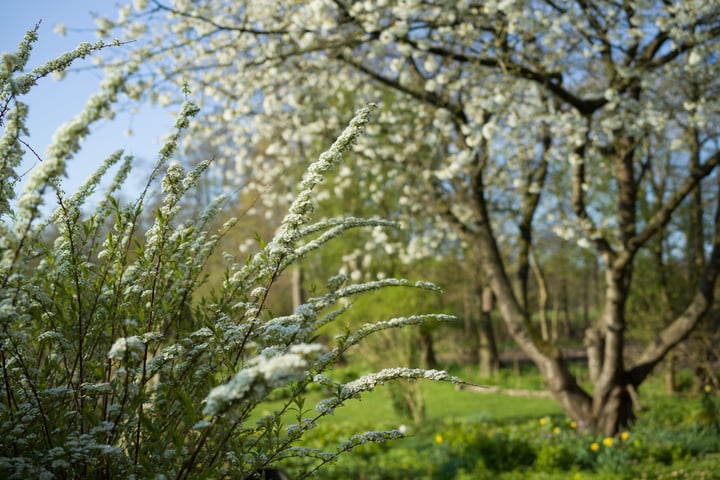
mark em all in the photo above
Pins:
pixel 495 113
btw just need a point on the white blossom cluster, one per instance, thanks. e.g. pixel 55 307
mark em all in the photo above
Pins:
pixel 260 376
pixel 367 383
pixel 126 347
pixel 281 250
pixel 453 94
pixel 370 328
pixel 298 214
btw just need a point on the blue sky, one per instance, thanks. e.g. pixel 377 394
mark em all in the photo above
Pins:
pixel 52 103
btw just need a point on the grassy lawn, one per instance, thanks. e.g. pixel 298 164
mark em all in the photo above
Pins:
pixel 470 435
pixel 442 402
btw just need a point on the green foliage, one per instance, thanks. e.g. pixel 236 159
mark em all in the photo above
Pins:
pixel 709 414
pixel 112 367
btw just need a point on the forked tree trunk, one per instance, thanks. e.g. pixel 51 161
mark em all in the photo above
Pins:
pixel 616 412
pixel 610 408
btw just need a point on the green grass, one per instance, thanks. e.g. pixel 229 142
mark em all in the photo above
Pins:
pixel 442 402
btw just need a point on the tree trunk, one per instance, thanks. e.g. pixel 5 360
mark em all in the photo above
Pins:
pixel 530 200
pixel 543 295
pixel 428 348
pixel 565 312
pixel 696 234
pixel 561 383
pixel 670 374
pixel 298 294
pixel 586 294
pixel 610 407
pixel 489 357
pixel 471 328
pixel 594 346
pixel 616 412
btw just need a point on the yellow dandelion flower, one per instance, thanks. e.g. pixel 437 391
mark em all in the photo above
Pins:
pixel 556 430
pixel 543 422
pixel 608 442
pixel 438 438
pixel 594 446
pixel 573 424
pixel 624 436
pixel 708 389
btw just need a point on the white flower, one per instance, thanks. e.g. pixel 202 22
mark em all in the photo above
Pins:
pixel 575 160
pixel 431 64
pixel 126 347
pixel 327 406
pixel 386 36
pixel 487 130
pixel 564 232
pixel 368 382
pixel 262 375
pixel 307 349
pixel 60 29
pixel 306 310
pixel 694 58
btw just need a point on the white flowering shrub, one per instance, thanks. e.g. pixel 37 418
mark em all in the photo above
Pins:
pixel 110 367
